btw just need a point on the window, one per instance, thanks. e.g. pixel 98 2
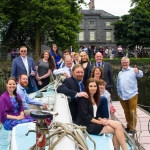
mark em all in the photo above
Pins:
pixel 92 35
pixel 108 23
pixel 82 22
pixel 108 36
pixel 81 36
pixel 92 23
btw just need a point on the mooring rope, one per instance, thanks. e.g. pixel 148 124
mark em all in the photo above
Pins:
pixel 72 131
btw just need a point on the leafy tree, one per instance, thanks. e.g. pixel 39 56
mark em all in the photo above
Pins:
pixel 34 21
pixel 142 3
pixel 13 32
pixel 136 2
pixel 120 31
pixel 133 29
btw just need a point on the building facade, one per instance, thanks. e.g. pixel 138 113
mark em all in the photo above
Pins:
pixel 96 28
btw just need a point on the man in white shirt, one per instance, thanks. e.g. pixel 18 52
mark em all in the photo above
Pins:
pixel 67 69
pixel 25 65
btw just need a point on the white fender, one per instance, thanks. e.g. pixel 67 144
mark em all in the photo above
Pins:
pixel 62 108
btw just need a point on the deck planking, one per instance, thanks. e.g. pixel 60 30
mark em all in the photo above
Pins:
pixel 142 124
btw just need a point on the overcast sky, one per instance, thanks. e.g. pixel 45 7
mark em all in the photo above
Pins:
pixel 114 7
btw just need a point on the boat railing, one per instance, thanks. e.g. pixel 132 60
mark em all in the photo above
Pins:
pixel 149 125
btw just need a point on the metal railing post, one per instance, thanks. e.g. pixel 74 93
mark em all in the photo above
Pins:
pixel 133 129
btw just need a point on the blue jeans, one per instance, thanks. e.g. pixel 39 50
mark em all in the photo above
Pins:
pixel 103 107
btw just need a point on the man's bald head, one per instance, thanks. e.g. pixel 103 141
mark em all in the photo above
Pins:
pixel 98 57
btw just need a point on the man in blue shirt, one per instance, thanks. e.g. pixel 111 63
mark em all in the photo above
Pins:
pixel 127 91
pixel 29 104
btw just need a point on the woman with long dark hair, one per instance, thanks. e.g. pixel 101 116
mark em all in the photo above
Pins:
pixel 11 108
pixel 55 53
pixel 44 66
pixel 88 116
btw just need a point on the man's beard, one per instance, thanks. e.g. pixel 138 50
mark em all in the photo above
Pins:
pixel 80 78
pixel 24 84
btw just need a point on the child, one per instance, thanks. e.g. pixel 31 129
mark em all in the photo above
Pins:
pixel 104 92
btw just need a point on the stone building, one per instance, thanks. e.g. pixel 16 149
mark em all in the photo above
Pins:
pixel 96 28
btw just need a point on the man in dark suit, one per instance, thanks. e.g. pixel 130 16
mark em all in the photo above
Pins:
pixel 90 52
pixel 25 65
pixel 108 73
pixel 73 87
pixel 141 51
pixel 95 50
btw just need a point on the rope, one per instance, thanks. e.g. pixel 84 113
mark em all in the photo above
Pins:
pixel 72 131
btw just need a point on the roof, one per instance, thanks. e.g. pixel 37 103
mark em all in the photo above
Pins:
pixel 97 12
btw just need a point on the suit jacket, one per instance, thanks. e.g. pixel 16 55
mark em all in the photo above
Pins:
pixel 90 52
pixel 108 73
pixel 85 114
pixel 6 107
pixel 70 87
pixel 18 68
pixel 85 78
pixel 71 50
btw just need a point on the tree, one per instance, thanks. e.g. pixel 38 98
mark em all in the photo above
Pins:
pixel 133 29
pixel 143 3
pixel 13 32
pixel 120 31
pixel 35 21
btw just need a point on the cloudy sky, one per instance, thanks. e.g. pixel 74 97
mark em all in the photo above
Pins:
pixel 115 7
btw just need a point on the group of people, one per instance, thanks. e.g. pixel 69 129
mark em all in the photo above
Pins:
pixel 88 84
pixel 85 106
pixel 15 103
pixel 92 50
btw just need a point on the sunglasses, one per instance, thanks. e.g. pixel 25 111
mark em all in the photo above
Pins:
pixel 23 51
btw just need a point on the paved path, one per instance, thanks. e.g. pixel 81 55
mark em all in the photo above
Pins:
pixel 142 124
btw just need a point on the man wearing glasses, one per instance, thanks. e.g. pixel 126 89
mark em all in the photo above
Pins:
pixel 127 91
pixel 25 65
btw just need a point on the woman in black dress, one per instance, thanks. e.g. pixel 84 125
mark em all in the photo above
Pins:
pixel 88 116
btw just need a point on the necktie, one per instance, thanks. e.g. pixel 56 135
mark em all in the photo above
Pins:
pixel 81 87
pixel 26 65
pixel 70 71
pixel 99 65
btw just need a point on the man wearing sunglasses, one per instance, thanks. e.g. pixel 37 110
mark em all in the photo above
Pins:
pixel 25 65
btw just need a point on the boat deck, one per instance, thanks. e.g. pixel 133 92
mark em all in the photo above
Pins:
pixel 143 135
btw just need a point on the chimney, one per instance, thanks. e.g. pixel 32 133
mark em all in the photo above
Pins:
pixel 91 5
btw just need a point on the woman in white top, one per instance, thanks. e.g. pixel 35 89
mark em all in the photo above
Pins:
pixel 88 116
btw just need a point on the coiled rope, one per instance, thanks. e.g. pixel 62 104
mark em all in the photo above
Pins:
pixel 72 131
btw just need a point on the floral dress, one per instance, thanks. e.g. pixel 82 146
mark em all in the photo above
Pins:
pixel 10 123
